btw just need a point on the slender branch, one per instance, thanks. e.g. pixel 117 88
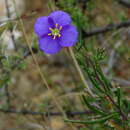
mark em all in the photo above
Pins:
pixel 121 81
pixel 44 81
pixel 126 3
pixel 27 112
pixel 10 29
pixel 99 30
pixel 7 95
pixel 25 55
pixel 80 72
pixel 107 28
pixel 7 8
pixel 124 117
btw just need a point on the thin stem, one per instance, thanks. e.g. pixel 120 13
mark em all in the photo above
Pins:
pixel 44 81
pixel 80 72
pixel 10 29
pixel 107 28
pixel 7 95
pixel 125 3
pixel 29 112
pixel 124 117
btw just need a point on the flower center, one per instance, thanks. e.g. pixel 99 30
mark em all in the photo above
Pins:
pixel 55 31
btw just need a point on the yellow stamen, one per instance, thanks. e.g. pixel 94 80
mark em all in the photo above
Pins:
pixel 50 29
pixel 49 34
pixel 55 32
pixel 59 35
pixel 54 37
pixel 56 25
pixel 60 27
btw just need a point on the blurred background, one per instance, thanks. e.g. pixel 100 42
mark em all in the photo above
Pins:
pixel 21 85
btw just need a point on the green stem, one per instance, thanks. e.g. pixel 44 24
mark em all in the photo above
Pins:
pixel 103 119
pixel 80 72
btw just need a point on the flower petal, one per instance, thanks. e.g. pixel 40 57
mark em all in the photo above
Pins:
pixel 69 36
pixel 51 22
pixel 49 45
pixel 60 17
pixel 41 26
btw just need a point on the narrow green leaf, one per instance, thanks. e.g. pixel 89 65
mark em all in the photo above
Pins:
pixel 119 97
pixel 93 108
pixel 107 84
pixel 100 120
pixel 94 81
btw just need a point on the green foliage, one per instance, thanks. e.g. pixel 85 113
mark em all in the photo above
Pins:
pixel 95 109
pixel 110 101
pixel 98 120
pixel 110 107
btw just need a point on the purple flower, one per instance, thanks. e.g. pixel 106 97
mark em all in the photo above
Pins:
pixel 55 32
